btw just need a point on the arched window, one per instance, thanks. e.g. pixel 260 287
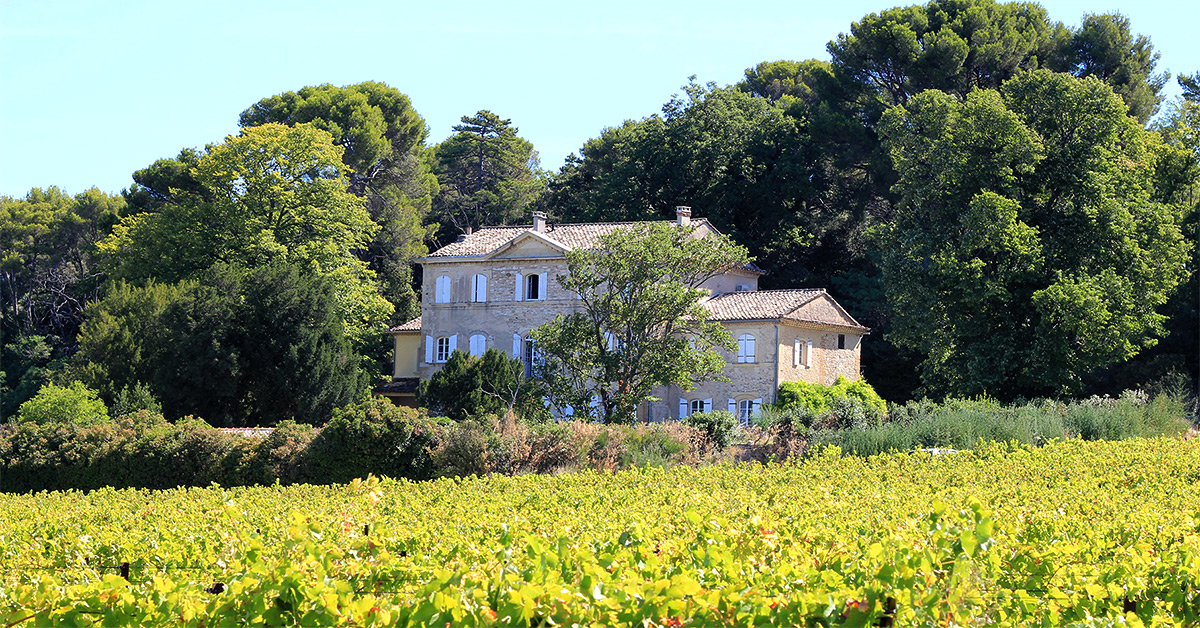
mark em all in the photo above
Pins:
pixel 478 345
pixel 479 288
pixel 444 349
pixel 441 289
pixel 745 349
pixel 697 405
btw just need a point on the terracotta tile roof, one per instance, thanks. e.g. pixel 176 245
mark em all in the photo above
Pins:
pixel 781 305
pixel 248 432
pixel 413 325
pixel 757 305
pixel 574 236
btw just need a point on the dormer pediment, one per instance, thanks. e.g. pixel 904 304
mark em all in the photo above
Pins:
pixel 529 244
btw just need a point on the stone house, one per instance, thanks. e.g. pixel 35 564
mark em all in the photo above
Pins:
pixel 493 286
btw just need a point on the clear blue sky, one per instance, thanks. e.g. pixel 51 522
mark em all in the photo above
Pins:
pixel 91 91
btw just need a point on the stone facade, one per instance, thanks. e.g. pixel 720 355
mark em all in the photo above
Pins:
pixel 491 288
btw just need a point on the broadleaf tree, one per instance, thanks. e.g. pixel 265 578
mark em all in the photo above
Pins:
pixel 1028 248
pixel 272 194
pixel 640 322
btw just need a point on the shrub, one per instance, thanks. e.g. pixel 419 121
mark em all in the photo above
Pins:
pixel 76 404
pixel 374 436
pixel 651 447
pixel 844 404
pixel 719 426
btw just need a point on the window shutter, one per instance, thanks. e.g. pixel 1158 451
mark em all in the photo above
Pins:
pixel 516 345
pixel 568 411
pixel 453 343
pixel 683 408
pixel 476 345
pixel 520 287
pixel 610 340
pixel 479 291
pixel 808 354
pixel 543 286
pixel 750 353
pixel 733 407
pixel 741 355
pixel 708 405
pixel 429 349
pixel 796 353
pixel 756 408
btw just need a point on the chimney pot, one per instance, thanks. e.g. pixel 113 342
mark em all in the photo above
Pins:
pixel 539 222
pixel 683 215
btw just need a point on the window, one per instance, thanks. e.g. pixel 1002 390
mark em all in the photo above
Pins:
pixel 533 287
pixel 441 292
pixel 745 409
pixel 743 287
pixel 745 349
pixel 697 406
pixel 533 359
pixel 443 350
pixel 479 288
pixel 841 341
pixel 478 345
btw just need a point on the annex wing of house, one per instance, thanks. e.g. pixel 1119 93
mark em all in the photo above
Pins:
pixel 492 287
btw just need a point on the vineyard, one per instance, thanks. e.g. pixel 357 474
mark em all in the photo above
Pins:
pixel 1075 533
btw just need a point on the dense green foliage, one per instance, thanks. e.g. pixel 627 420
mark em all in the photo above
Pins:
pixel 235 346
pixel 820 400
pixel 1074 534
pixel 640 323
pixel 75 404
pixel 384 141
pixel 473 387
pixel 1027 248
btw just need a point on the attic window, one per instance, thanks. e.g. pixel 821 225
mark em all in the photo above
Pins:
pixel 743 287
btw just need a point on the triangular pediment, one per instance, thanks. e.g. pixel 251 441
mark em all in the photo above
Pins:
pixel 823 310
pixel 529 244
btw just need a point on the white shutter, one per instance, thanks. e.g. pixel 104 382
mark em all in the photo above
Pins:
pixel 610 340
pixel 683 408
pixel 708 405
pixel 442 290
pixel 520 287
pixel 477 343
pixel 453 343
pixel 808 354
pixel 479 289
pixel 543 286
pixel 756 408
pixel 568 411
pixel 741 355
pixel 517 345
pixel 429 349
pixel 733 407
pixel 750 353
pixel 796 353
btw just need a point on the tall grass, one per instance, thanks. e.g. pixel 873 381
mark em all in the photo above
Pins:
pixel 962 423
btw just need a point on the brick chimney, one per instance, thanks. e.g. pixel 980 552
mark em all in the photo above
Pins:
pixel 683 215
pixel 539 222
